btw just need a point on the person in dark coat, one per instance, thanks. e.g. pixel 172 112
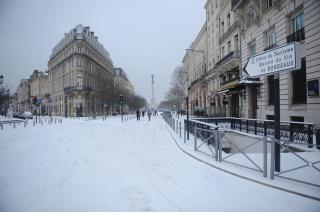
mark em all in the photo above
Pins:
pixel 138 115
pixel 149 114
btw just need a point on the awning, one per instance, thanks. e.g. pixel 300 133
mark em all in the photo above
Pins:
pixel 223 91
pixel 249 81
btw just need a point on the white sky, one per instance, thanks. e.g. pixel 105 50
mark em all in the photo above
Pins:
pixel 143 37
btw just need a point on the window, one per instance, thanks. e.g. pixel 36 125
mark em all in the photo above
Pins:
pixel 229 47
pixel 270 39
pixel 79 81
pixel 299 84
pixel 79 62
pixel 271 90
pixel 297 28
pixel 79 49
pixel 228 21
pixel 251 17
pixel 269 4
pixel 252 50
pixel 297 23
pixel 222 51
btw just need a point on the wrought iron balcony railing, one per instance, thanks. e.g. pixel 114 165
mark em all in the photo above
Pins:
pixel 77 88
pixel 225 59
pixel 296 36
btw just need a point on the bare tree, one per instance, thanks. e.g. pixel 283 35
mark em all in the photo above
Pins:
pixel 175 96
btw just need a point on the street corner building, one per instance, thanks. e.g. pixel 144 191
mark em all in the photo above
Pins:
pixel 81 74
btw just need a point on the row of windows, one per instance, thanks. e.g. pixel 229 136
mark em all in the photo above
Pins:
pixel 297 24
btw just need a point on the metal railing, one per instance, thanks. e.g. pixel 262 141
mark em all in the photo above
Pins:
pixel 296 36
pixel 229 56
pixel 210 139
pixel 297 132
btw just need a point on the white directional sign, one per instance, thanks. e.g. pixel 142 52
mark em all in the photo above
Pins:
pixel 283 58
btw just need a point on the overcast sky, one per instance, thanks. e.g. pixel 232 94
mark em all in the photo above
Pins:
pixel 143 37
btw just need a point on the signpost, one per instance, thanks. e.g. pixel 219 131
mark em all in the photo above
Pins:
pixel 283 58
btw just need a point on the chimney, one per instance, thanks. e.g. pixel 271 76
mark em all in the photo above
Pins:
pixel 95 38
pixel 91 34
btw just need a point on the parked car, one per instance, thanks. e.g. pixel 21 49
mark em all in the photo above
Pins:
pixel 16 115
pixel 26 115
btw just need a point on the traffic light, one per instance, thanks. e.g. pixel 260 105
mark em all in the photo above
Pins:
pixel 34 100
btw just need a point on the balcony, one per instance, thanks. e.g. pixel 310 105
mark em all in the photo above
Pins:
pixel 228 57
pixel 229 31
pixel 296 36
pixel 77 88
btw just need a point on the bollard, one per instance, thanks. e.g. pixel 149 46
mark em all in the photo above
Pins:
pixel 184 133
pixel 55 121
pixel 14 125
pixel 34 123
pixel 220 136
pixel 195 138
pixel 173 124
pixel 216 143
pixel 265 156
pixel 177 127
pixel 42 122
pixel 25 124
pixel 180 129
pixel 1 125
pixel 272 162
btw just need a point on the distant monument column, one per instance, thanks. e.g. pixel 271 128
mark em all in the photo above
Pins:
pixel 153 104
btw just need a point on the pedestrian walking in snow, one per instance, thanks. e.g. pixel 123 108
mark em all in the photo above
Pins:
pixel 149 114
pixel 143 113
pixel 138 115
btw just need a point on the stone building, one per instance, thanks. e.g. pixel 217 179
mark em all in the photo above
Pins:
pixel 39 89
pixel 197 67
pixel 23 96
pixel 235 30
pixel 223 59
pixel 80 74
pixel 267 24
pixel 121 80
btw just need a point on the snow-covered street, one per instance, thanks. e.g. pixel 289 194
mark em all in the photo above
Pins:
pixel 112 166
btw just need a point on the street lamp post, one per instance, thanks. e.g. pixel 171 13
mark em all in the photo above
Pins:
pixel 1 81
pixel 121 107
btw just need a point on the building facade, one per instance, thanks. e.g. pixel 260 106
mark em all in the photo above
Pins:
pixel 267 25
pixel 80 74
pixel 39 89
pixel 121 80
pixel 224 59
pixel 23 96
pixel 236 30
pixel 196 57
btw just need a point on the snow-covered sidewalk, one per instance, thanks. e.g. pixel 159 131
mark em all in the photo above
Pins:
pixel 113 166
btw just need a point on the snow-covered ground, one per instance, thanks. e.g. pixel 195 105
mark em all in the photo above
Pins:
pixel 112 166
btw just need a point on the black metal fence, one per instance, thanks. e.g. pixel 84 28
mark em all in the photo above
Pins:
pixel 296 132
